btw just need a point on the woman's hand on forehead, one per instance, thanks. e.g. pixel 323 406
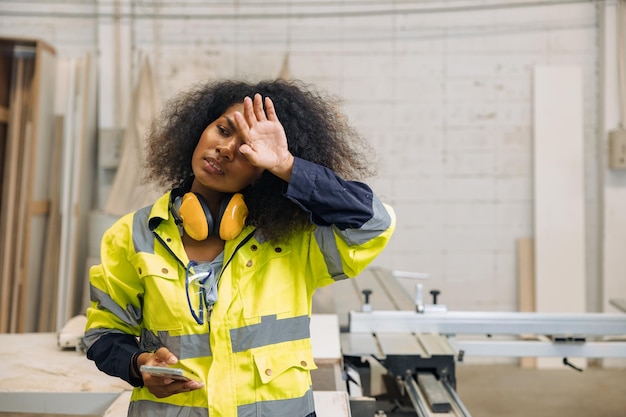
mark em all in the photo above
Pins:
pixel 263 136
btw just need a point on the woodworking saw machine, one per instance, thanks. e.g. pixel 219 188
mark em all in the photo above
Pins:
pixel 418 349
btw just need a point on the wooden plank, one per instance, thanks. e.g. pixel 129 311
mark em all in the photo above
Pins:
pixel 21 287
pixel 6 60
pixel 4 114
pixel 21 238
pixel 332 404
pixel 397 294
pixel 6 65
pixel 22 41
pixel 619 303
pixel 360 344
pixel 347 295
pixel 66 86
pixel 9 193
pixel 77 178
pixel 15 227
pixel 37 208
pixel 325 336
pixel 400 344
pixel 435 344
pixel 85 161
pixel 49 288
pixel 285 72
pixel 436 395
pixel 327 353
pixel 127 192
pixel 526 285
pixel 25 202
pixel 3 161
pixel 119 408
pixel 37 190
pixel 526 275
pixel 559 192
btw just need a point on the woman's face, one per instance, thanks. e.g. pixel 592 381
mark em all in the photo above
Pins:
pixel 216 162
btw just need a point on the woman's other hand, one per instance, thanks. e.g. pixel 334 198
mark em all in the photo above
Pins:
pixel 162 387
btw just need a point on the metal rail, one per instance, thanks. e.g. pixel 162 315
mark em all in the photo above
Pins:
pixel 503 323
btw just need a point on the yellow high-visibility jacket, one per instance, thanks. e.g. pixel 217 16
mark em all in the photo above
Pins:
pixel 254 354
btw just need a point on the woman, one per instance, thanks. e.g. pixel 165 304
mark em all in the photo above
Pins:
pixel 217 276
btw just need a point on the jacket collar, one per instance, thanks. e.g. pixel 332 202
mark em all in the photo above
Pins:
pixel 160 211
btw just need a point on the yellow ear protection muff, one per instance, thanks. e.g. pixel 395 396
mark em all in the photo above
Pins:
pixel 199 224
pixel 233 217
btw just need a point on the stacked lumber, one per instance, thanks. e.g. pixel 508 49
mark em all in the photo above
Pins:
pixel 27 144
pixel 76 101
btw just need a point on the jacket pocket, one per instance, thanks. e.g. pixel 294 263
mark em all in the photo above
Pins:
pixel 285 368
pixel 148 264
pixel 164 298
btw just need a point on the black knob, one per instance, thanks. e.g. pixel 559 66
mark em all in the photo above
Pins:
pixel 367 294
pixel 435 293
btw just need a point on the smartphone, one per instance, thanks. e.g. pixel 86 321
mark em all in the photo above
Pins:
pixel 167 372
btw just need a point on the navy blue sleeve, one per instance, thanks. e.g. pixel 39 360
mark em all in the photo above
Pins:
pixel 329 199
pixel 112 354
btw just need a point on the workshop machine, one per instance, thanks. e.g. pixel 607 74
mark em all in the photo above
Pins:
pixel 414 347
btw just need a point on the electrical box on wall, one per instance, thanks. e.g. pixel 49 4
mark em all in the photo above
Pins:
pixel 109 147
pixel 617 149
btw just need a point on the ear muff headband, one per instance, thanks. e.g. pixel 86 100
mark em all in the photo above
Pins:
pixel 199 224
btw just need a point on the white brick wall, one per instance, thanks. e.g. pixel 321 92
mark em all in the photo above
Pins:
pixel 444 97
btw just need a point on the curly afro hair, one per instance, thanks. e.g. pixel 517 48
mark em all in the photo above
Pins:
pixel 316 131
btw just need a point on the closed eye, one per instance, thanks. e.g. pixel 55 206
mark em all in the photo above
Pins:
pixel 223 131
pixel 226 131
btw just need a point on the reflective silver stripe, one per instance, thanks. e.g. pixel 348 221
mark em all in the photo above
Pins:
pixel 143 408
pixel 270 331
pixel 325 238
pixel 294 407
pixel 184 347
pixel 379 222
pixel 131 315
pixel 195 346
pixel 93 335
pixel 143 239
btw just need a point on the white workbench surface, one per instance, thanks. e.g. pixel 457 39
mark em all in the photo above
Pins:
pixel 38 377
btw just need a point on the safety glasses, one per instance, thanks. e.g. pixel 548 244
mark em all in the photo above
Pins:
pixel 201 291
